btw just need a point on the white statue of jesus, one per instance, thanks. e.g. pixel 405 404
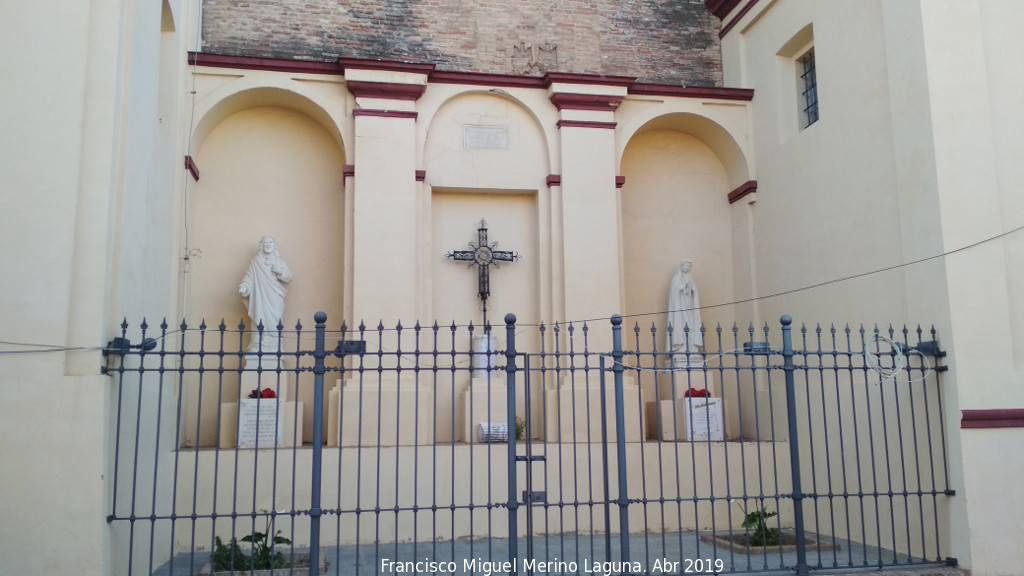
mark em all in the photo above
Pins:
pixel 265 285
pixel 684 325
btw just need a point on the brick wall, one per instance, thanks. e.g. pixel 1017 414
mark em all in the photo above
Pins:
pixel 664 41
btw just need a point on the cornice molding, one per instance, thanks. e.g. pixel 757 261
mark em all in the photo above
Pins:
pixel 748 187
pixel 721 8
pixel 564 101
pixel 736 19
pixel 997 418
pixel 703 92
pixel 588 79
pixel 408 91
pixel 586 124
pixel 388 90
pixel 270 64
pixel 384 65
pixel 192 168
pixel 385 113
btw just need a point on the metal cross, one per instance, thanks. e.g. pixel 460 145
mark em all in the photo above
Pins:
pixel 483 255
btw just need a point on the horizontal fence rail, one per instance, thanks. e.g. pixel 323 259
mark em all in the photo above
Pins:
pixel 523 449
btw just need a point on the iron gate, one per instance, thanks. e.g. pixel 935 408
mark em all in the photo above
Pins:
pixel 382 452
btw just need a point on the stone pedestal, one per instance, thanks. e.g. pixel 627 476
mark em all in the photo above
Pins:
pixel 390 413
pixel 573 413
pixel 485 356
pixel 686 419
pixel 483 401
pixel 289 427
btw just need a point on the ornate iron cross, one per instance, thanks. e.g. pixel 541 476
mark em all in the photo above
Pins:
pixel 483 255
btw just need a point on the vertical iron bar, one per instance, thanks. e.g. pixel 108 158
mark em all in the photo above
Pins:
pixel 177 440
pixel 199 414
pixel 117 428
pixel 398 430
pixel 589 442
pixel 319 354
pixel 604 465
pixel 620 439
pixel 161 371
pixel 528 445
pixel 510 381
pixel 297 441
pixel 794 446
pixel 135 458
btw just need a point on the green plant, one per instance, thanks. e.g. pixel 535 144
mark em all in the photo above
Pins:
pixel 520 428
pixel 231 557
pixel 758 532
pixel 263 555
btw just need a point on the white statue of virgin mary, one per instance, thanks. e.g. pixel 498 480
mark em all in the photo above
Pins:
pixel 684 334
pixel 264 285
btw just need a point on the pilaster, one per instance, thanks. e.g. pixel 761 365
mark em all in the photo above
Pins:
pixel 590 203
pixel 384 279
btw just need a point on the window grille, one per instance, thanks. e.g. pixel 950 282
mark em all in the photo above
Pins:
pixel 810 92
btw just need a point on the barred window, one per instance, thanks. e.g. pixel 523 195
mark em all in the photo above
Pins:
pixel 810 90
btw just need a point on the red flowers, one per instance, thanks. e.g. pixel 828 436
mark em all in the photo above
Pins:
pixel 265 393
pixel 695 393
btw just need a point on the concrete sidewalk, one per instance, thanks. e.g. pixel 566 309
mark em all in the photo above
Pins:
pixel 684 553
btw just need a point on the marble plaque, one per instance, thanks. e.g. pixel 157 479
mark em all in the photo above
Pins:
pixel 260 423
pixel 476 137
pixel 704 419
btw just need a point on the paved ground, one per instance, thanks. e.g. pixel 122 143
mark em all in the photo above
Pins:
pixel 677 553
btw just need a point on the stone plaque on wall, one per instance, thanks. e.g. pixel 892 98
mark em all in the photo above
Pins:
pixel 260 423
pixel 476 137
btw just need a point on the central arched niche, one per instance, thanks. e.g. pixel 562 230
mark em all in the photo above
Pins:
pixel 674 206
pixel 267 167
pixel 486 158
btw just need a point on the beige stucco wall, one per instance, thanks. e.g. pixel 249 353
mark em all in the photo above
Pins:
pixel 912 158
pixel 89 188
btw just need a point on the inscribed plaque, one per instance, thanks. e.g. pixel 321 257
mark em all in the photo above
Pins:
pixel 476 137
pixel 260 423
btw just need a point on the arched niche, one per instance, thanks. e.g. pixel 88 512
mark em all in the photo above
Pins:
pixel 486 157
pixel 674 205
pixel 265 169
pixel 712 133
pixel 247 93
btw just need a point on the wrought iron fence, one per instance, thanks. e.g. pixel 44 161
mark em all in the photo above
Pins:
pixel 528 449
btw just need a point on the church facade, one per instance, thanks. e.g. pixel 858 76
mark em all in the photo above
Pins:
pixel 840 162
